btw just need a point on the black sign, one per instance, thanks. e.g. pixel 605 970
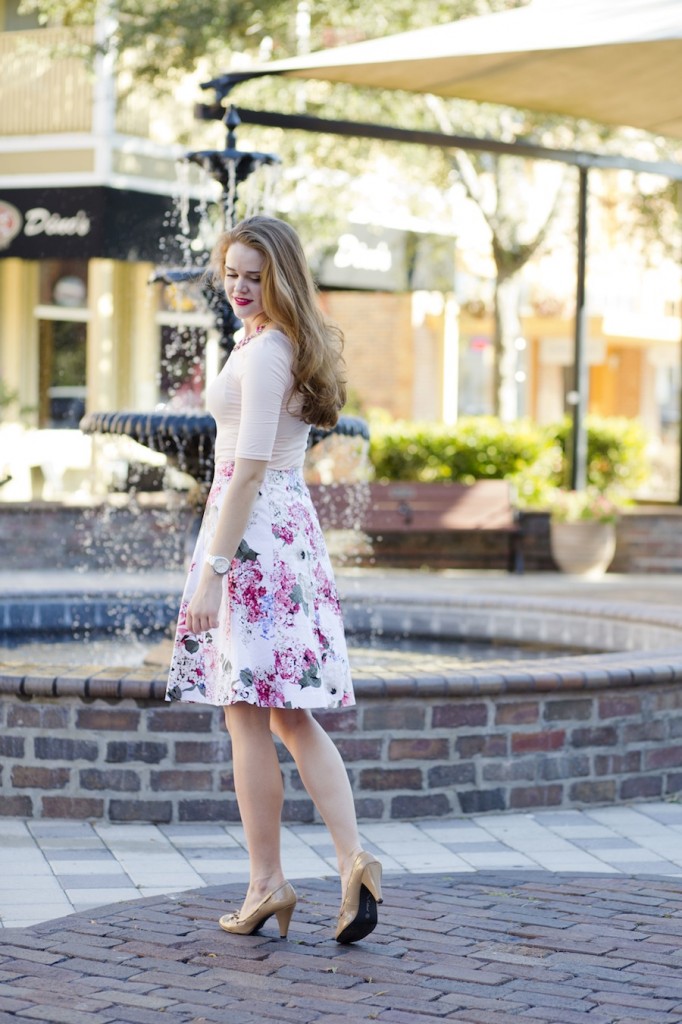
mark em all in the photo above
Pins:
pixel 81 223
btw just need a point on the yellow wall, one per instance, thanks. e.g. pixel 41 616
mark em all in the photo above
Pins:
pixel 379 346
pixel 19 330
pixel 54 161
pixel 123 346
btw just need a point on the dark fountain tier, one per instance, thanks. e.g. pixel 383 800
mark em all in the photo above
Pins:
pixel 188 438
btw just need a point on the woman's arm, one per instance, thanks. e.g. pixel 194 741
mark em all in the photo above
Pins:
pixel 265 383
pixel 242 491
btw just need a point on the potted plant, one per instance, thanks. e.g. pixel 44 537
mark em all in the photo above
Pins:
pixel 583 531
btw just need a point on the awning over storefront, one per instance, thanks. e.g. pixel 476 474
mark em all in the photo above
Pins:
pixel 81 223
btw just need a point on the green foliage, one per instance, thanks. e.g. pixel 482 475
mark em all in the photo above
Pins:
pixel 616 453
pixel 533 458
pixel 170 39
pixel 8 396
pixel 477 448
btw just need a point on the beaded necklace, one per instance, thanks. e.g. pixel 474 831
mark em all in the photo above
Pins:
pixel 254 334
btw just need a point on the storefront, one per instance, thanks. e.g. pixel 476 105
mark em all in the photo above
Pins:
pixel 82 329
pixel 80 326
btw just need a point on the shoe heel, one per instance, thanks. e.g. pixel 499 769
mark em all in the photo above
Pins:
pixel 371 879
pixel 283 919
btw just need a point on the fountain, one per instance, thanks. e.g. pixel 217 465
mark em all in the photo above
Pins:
pixel 187 439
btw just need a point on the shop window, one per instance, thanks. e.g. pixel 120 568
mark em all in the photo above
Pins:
pixel 476 376
pixel 62 373
pixel 62 329
pixel 668 400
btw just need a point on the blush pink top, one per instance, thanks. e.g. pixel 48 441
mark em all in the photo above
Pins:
pixel 254 407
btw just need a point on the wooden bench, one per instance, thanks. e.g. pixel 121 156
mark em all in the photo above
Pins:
pixel 376 509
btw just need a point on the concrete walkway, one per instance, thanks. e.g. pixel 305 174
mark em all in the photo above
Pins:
pixel 75 866
pixel 650 588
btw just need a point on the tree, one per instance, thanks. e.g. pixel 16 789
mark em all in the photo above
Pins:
pixel 170 39
pixel 519 224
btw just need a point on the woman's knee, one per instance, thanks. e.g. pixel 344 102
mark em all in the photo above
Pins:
pixel 287 723
pixel 244 718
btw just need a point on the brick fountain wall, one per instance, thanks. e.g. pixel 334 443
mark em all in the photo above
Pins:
pixel 564 732
pixel 135 760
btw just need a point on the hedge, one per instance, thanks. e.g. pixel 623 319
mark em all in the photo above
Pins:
pixel 616 453
pixel 532 457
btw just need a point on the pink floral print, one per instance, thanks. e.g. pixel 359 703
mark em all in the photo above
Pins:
pixel 280 641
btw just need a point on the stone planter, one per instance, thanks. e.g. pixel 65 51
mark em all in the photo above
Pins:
pixel 584 548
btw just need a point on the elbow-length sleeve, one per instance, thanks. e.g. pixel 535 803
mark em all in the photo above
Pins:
pixel 265 387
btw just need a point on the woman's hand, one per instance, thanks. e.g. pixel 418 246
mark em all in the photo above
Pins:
pixel 202 611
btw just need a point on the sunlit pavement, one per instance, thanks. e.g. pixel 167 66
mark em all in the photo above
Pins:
pixel 659 588
pixel 52 868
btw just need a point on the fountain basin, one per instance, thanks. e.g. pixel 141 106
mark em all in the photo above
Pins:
pixel 188 438
pixel 570 731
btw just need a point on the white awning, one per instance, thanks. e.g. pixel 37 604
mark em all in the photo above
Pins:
pixel 612 61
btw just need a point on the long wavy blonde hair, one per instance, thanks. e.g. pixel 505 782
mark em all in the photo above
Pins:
pixel 289 300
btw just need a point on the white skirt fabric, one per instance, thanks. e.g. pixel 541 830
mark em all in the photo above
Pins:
pixel 280 641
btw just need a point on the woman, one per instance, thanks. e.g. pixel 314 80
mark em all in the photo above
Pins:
pixel 260 630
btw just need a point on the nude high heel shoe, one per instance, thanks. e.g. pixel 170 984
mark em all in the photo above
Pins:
pixel 358 915
pixel 279 903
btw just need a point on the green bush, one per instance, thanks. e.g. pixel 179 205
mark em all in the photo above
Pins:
pixel 616 453
pixel 476 448
pixel 532 458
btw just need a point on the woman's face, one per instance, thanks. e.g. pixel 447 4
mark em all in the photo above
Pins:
pixel 243 266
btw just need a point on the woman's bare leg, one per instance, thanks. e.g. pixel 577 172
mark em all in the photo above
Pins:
pixel 324 776
pixel 259 790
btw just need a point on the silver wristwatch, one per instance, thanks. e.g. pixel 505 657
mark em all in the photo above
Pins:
pixel 218 563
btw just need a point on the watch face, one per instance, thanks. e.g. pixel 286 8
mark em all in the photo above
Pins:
pixel 220 564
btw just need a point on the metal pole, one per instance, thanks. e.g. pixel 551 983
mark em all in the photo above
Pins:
pixel 364 130
pixel 580 394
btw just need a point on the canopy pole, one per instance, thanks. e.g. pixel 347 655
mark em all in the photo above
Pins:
pixel 580 395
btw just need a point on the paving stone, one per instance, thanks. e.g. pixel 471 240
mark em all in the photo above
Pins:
pixel 399 1016
pixel 38 955
pixel 256 1015
pixel 10 1005
pixel 550 1016
pixel 136 1015
pixel 479 949
pixel 64 1015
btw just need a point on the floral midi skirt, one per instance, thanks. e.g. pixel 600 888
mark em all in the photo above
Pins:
pixel 280 641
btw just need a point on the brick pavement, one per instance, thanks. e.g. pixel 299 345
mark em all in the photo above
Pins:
pixel 478 949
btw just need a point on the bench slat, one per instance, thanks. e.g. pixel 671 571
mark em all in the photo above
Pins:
pixel 377 509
